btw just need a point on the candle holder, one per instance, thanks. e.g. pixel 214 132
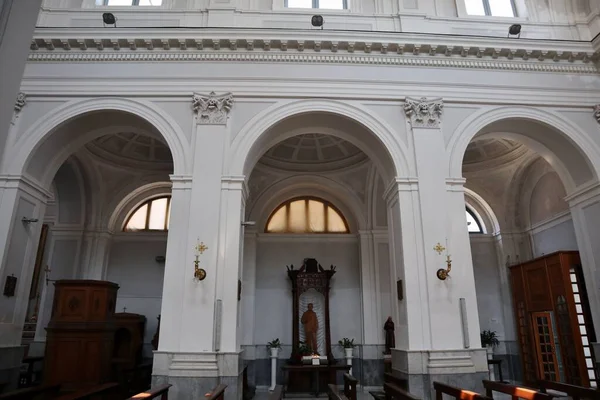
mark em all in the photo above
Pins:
pixel 442 274
pixel 199 273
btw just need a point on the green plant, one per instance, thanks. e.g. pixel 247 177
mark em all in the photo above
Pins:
pixel 347 343
pixel 303 349
pixel 274 344
pixel 489 339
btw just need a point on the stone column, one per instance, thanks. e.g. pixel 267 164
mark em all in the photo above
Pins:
pixel 17 22
pixel 22 206
pixel 442 342
pixel 95 255
pixel 585 211
pixel 192 324
pixel 371 361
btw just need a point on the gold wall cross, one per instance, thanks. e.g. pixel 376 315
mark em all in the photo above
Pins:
pixel 439 248
pixel 201 247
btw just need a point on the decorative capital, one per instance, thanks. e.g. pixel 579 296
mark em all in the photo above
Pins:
pixel 20 102
pixel 597 112
pixel 424 113
pixel 212 109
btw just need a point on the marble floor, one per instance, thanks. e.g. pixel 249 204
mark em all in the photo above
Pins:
pixel 262 395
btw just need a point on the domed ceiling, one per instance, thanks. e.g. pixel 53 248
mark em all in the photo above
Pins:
pixel 131 148
pixel 492 149
pixel 313 151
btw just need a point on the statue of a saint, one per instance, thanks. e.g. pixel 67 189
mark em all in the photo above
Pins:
pixel 311 325
pixel 390 339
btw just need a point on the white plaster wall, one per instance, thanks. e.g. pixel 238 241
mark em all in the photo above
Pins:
pixel 487 284
pixel 547 198
pixel 273 295
pixel 555 238
pixel 133 267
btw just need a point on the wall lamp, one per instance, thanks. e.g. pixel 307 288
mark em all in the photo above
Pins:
pixel 29 220
pixel 109 19
pixel 514 30
pixel 248 223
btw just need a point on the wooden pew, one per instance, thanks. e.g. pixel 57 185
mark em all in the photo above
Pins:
pixel 37 392
pixel 162 391
pixel 277 393
pixel 573 391
pixel 393 391
pixel 459 394
pixel 349 392
pixel 104 392
pixel 516 392
pixel 400 382
pixel 217 393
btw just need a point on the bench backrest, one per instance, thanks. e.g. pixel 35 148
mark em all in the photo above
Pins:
pixel 153 393
pixel 393 391
pixel 42 392
pixel 573 391
pixel 402 383
pixel 92 392
pixel 277 393
pixel 457 393
pixel 350 383
pixel 516 392
pixel 217 393
pixel 334 394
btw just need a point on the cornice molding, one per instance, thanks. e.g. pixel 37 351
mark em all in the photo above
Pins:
pixel 293 46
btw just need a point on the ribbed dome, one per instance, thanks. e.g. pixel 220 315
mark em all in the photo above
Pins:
pixel 131 147
pixel 480 150
pixel 313 150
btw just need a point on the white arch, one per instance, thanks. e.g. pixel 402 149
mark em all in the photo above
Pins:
pixel 245 140
pixel 309 185
pixel 475 123
pixel 477 204
pixel 23 150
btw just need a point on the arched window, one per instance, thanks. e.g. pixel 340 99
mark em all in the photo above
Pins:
pixel 306 215
pixel 152 215
pixel 473 223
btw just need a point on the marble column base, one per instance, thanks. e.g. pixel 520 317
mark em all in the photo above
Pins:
pixel 463 368
pixel 195 374
pixel 10 365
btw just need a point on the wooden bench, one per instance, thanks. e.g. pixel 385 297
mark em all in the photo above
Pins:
pixel 573 391
pixel 393 391
pixel 217 393
pixel 162 391
pixel 442 389
pixel 37 392
pixel 389 378
pixel 104 391
pixel 277 393
pixel 349 392
pixel 516 392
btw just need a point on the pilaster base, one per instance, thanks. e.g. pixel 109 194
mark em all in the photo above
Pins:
pixel 195 374
pixel 463 368
pixel 10 364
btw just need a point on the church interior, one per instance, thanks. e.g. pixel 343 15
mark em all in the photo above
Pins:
pixel 352 199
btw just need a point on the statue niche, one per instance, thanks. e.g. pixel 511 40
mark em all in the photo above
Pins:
pixel 310 313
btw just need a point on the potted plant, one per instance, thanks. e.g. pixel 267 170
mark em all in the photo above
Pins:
pixel 274 345
pixel 489 340
pixel 348 345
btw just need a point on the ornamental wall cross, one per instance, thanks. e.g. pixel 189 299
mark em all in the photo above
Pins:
pixel 201 247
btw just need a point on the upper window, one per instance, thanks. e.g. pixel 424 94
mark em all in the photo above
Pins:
pixel 307 215
pixel 494 8
pixel 325 4
pixel 129 2
pixel 153 215
pixel 473 224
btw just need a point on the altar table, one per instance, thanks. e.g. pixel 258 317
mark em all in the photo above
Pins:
pixel 315 371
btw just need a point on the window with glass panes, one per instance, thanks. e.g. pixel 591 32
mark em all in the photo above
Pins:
pixel 306 215
pixel 494 8
pixel 129 2
pixel 152 215
pixel 473 223
pixel 322 4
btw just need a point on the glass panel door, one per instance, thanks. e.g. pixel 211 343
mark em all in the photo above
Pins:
pixel 544 345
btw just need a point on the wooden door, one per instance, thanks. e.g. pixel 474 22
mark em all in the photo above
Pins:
pixel 543 334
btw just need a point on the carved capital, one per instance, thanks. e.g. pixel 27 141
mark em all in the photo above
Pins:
pixel 597 112
pixel 21 101
pixel 424 113
pixel 212 109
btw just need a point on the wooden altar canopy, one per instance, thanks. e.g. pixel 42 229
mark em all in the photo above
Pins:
pixel 310 276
